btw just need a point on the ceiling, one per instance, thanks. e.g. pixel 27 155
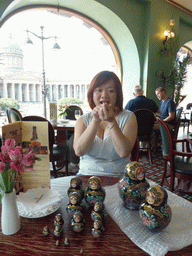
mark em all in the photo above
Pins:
pixel 185 5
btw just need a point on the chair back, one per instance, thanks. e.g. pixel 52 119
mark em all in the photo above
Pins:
pixel 166 136
pixel 70 111
pixel 135 151
pixel 50 127
pixel 13 115
pixel 178 113
pixel 145 122
pixel 189 106
pixel 177 122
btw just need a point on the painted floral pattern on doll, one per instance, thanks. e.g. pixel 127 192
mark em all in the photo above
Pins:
pixel 155 213
pixel 94 191
pixel 133 186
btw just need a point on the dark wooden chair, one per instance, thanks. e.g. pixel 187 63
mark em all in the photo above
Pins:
pixel 57 153
pixel 186 118
pixel 13 115
pixel 177 122
pixel 174 130
pixel 178 163
pixel 70 111
pixel 135 151
pixel 145 121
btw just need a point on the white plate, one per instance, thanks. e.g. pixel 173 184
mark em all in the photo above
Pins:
pixel 39 214
pixel 38 202
pixel 64 121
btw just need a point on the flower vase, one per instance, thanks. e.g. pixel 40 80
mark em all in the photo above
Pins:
pixel 10 219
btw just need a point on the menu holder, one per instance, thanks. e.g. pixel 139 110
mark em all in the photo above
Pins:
pixel 53 112
pixel 31 134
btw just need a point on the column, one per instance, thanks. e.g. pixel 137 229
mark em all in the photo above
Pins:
pixel 20 92
pixel 27 92
pixel 5 89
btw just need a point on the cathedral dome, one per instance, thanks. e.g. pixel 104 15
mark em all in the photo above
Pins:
pixel 10 46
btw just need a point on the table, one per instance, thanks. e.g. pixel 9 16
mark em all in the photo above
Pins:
pixel 30 240
pixel 62 130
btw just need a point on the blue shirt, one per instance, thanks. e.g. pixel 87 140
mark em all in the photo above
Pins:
pixel 167 107
pixel 141 102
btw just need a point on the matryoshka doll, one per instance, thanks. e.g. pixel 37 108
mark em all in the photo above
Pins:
pixel 133 186
pixel 98 212
pixel 74 204
pixel 97 229
pixel 155 212
pixel 76 186
pixel 94 191
pixel 58 221
pixel 77 222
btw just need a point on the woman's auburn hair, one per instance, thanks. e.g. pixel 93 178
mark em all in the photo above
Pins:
pixel 102 78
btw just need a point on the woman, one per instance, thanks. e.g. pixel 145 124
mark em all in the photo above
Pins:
pixel 105 137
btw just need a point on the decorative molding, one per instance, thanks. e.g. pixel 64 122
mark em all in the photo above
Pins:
pixel 180 6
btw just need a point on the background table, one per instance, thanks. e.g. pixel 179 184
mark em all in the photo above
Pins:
pixel 31 241
pixel 62 130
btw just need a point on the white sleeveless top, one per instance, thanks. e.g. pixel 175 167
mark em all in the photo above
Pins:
pixel 102 159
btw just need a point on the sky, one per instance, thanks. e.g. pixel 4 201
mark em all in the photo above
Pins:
pixel 82 53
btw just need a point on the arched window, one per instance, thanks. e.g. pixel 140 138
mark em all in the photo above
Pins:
pixel 86 49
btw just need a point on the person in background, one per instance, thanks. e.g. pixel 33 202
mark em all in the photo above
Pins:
pixel 140 101
pixel 167 106
pixel 104 137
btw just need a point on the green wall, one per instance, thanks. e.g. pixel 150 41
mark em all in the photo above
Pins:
pixel 137 27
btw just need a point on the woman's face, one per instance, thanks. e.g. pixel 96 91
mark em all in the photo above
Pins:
pixel 105 93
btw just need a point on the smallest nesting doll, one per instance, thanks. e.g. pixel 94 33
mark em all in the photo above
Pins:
pixel 133 186
pixel 77 222
pixel 74 204
pixel 58 221
pixel 155 213
pixel 94 191
pixel 76 186
pixel 98 212
pixel 97 229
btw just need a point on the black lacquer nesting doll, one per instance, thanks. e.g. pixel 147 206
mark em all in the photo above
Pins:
pixel 98 229
pixel 133 186
pixel 155 213
pixel 58 221
pixel 94 191
pixel 77 222
pixel 98 212
pixel 76 186
pixel 75 203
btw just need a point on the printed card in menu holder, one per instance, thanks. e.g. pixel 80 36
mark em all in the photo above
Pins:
pixel 53 112
pixel 30 134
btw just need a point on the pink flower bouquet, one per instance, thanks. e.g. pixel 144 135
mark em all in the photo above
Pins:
pixel 13 160
pixel 62 108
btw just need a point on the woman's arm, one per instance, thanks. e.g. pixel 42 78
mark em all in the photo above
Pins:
pixel 123 141
pixel 84 137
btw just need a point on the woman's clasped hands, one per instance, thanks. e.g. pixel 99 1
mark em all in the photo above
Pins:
pixel 104 112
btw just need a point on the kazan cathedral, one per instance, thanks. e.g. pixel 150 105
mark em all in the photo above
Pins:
pixel 26 86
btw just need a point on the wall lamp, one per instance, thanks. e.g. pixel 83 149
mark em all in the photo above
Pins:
pixel 169 34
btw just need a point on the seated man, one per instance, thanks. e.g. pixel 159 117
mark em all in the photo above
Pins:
pixel 140 101
pixel 167 113
pixel 167 106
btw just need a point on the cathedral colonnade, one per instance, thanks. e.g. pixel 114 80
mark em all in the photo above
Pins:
pixel 32 92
